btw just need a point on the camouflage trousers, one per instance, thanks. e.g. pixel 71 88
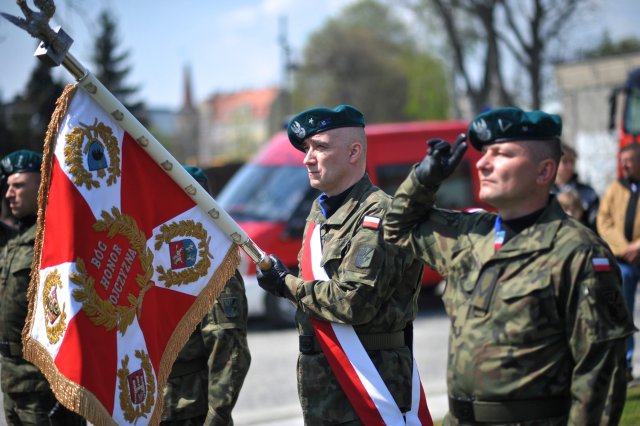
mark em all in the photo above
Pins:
pixel 37 409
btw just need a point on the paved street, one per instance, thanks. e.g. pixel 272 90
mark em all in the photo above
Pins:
pixel 269 396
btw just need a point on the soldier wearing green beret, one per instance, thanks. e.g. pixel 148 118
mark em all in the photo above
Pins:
pixel 207 376
pixel 27 397
pixel 538 322
pixel 359 283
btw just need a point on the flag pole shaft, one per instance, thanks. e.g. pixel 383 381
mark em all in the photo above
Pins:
pixel 165 160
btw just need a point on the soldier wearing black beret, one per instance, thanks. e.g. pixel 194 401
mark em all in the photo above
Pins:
pixel 27 397
pixel 350 280
pixel 538 322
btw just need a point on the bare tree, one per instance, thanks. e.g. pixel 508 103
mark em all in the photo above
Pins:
pixel 484 36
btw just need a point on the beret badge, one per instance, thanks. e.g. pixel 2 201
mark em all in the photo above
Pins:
pixel 320 119
pixel 298 130
pixel 482 130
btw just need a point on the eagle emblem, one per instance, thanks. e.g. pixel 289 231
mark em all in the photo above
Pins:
pixel 482 130
pixel 298 130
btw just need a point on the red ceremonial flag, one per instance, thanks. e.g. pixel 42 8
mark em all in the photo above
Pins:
pixel 126 265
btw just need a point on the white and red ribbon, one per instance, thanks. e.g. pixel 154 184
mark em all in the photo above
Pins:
pixel 354 370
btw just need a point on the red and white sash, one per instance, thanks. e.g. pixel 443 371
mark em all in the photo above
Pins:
pixel 349 361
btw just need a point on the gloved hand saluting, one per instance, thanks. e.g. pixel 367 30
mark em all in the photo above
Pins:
pixel 272 280
pixel 441 160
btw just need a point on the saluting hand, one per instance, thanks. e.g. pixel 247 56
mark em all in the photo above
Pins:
pixel 441 160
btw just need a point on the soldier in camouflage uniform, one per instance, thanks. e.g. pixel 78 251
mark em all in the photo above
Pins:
pixel 538 322
pixel 207 376
pixel 372 286
pixel 27 397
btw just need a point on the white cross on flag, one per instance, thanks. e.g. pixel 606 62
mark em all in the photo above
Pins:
pixel 126 265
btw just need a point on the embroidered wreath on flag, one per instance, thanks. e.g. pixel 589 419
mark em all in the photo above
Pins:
pixel 131 413
pixel 184 228
pixel 54 332
pixel 74 151
pixel 103 312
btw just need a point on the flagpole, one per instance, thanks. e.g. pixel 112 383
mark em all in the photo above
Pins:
pixel 87 81
pixel 54 50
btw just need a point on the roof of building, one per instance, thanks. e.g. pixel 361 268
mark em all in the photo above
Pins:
pixel 255 103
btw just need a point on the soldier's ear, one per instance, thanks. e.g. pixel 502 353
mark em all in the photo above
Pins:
pixel 355 152
pixel 546 171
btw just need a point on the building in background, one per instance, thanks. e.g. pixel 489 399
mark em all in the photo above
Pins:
pixel 585 87
pixel 234 125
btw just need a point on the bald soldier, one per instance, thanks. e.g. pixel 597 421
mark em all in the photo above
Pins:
pixel 27 397
pixel 538 322
pixel 354 294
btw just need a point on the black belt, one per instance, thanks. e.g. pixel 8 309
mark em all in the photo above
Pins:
pixel 10 350
pixel 508 411
pixel 371 342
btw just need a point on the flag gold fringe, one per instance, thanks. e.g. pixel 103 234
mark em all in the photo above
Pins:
pixel 190 321
pixel 70 394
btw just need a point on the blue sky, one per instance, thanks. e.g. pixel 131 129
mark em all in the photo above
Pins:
pixel 228 44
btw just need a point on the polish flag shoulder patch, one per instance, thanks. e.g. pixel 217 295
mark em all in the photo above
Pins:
pixel 601 264
pixel 371 222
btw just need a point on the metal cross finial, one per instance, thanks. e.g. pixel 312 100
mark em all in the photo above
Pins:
pixel 55 43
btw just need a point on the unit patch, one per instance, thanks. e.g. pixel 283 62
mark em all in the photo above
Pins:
pixel 364 255
pixel 230 306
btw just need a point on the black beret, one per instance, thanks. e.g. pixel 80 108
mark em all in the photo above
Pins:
pixel 320 119
pixel 513 124
pixel 199 175
pixel 19 161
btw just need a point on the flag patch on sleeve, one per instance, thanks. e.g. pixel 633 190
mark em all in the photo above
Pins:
pixel 601 264
pixel 371 222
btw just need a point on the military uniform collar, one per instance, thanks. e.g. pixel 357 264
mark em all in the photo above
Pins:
pixel 537 237
pixel 349 204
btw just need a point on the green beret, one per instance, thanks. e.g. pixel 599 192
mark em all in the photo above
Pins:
pixel 22 160
pixel 320 119
pixel 513 124
pixel 199 175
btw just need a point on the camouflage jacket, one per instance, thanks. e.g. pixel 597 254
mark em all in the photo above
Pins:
pixel 533 320
pixel 6 233
pixel 208 374
pixel 373 287
pixel 18 375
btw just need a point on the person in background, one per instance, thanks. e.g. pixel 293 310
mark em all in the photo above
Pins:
pixel 207 376
pixel 538 321
pixel 351 283
pixel 27 397
pixel 619 225
pixel 571 203
pixel 567 180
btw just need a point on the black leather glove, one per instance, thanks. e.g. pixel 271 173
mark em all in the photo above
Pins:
pixel 441 160
pixel 272 280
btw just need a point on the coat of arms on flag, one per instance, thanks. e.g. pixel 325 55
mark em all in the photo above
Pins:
pixel 126 264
